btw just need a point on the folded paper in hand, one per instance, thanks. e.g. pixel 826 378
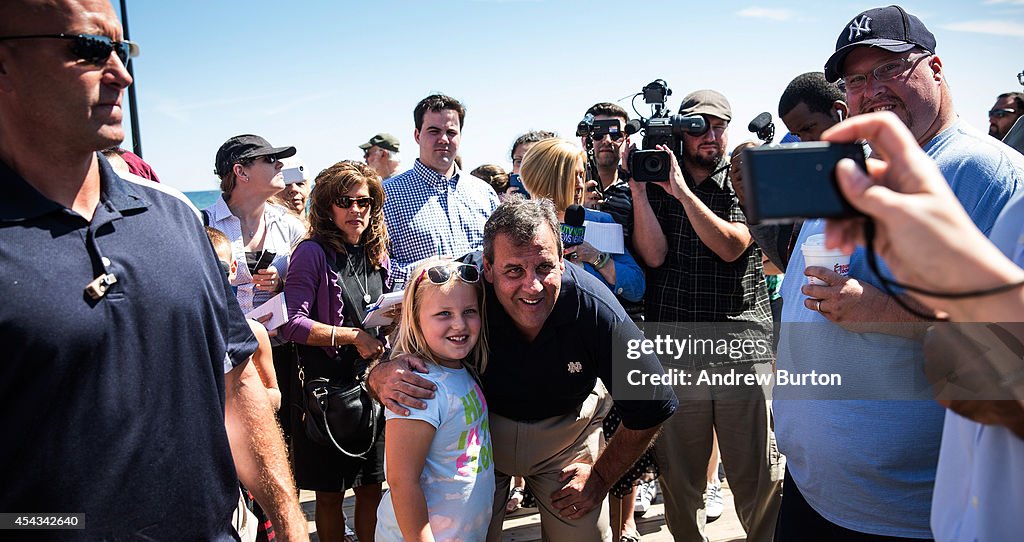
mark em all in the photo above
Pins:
pixel 605 236
pixel 375 313
pixel 275 307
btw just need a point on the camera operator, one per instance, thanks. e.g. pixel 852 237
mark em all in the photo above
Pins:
pixel 609 192
pixel 704 268
pixel 603 170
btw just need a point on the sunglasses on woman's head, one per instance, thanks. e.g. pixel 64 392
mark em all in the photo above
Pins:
pixel 442 273
pixel 89 47
pixel 362 203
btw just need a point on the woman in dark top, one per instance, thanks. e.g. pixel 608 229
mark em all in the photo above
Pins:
pixel 332 277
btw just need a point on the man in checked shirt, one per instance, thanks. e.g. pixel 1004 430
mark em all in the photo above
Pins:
pixel 706 271
pixel 433 209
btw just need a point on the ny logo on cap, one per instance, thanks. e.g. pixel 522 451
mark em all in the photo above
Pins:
pixel 863 25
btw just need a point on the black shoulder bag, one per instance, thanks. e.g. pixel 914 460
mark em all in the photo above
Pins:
pixel 341 413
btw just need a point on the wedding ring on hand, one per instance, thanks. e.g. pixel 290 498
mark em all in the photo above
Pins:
pixel 818 306
pixel 574 509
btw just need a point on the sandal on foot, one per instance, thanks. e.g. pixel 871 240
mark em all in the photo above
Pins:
pixel 630 537
pixel 515 500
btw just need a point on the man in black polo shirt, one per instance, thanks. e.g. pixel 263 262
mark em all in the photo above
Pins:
pixel 705 270
pixel 552 331
pixel 125 355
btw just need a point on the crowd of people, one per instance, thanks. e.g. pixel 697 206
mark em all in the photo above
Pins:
pixel 166 402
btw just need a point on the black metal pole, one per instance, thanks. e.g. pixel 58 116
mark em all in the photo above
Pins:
pixel 133 106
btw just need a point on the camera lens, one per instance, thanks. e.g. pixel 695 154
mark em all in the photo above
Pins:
pixel 653 164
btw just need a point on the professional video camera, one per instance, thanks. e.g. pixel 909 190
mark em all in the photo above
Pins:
pixel 660 128
pixel 592 128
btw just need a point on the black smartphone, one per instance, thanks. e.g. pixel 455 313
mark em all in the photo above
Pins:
pixel 266 258
pixel 516 181
pixel 785 183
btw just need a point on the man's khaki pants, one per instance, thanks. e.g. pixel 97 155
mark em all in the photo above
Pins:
pixel 539 451
pixel 740 416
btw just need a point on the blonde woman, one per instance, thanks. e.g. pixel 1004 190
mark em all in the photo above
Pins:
pixel 555 169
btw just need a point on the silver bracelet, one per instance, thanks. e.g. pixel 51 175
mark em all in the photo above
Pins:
pixel 333 330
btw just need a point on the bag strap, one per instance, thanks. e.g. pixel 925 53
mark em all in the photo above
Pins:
pixel 374 414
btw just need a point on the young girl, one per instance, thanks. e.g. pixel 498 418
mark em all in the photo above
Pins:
pixel 438 460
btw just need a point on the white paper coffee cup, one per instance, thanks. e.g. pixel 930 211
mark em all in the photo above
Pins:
pixel 815 254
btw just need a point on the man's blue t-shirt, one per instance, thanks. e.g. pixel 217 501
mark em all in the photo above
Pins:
pixel 863 463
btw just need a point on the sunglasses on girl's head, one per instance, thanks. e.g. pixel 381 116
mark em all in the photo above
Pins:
pixel 90 47
pixel 441 274
pixel 362 203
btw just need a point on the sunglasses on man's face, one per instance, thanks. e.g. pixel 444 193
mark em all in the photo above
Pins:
pixel 361 204
pixel 614 135
pixel 441 274
pixel 1001 113
pixel 89 47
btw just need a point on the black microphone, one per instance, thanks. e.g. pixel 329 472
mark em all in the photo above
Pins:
pixel 760 122
pixel 573 229
pixel 633 126
pixel 762 126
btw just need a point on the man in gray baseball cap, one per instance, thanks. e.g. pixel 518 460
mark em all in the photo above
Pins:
pixel 843 455
pixel 693 235
pixel 381 154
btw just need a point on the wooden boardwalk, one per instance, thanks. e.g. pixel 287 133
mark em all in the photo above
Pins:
pixel 524 526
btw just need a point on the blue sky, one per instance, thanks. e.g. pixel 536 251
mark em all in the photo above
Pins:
pixel 324 76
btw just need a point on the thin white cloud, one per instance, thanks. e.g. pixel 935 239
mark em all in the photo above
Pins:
pixel 992 28
pixel 279 103
pixel 1010 2
pixel 767 13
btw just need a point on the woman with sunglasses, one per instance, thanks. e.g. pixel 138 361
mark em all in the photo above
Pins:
pixel 555 169
pixel 262 235
pixel 333 276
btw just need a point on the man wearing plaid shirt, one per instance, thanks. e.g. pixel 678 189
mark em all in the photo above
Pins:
pixel 433 209
pixel 705 269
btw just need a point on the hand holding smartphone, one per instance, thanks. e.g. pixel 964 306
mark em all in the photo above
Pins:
pixel 514 180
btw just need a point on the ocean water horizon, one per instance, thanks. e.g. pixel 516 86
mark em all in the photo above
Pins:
pixel 203 198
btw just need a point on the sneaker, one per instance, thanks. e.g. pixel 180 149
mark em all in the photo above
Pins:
pixel 645 494
pixel 713 503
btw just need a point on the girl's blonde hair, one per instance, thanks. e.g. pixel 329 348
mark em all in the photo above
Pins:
pixel 410 338
pixel 549 170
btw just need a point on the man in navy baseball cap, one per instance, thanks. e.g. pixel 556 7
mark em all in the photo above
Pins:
pixel 885 452
pixel 890 28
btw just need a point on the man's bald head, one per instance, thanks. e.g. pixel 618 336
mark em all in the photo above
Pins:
pixel 17 17
pixel 51 94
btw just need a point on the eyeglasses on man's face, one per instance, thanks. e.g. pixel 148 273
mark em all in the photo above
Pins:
pixel 1000 113
pixel 887 71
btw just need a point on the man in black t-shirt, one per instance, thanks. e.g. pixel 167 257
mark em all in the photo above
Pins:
pixel 552 332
